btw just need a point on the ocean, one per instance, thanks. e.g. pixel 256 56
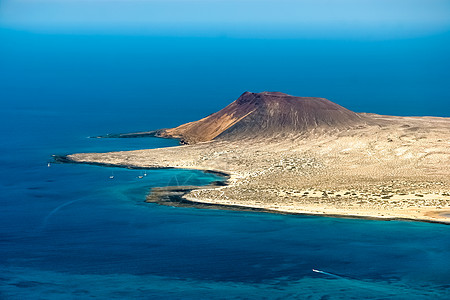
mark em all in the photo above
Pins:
pixel 68 231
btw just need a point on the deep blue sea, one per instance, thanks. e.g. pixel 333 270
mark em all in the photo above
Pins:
pixel 70 232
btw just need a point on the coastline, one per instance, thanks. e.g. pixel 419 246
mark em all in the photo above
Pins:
pixel 181 196
pixel 64 159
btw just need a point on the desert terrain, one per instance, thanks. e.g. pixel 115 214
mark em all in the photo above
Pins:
pixel 368 165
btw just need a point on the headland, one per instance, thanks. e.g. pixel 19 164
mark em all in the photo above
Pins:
pixel 303 155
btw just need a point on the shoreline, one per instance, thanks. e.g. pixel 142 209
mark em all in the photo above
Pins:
pixel 64 159
pixel 189 202
pixel 176 196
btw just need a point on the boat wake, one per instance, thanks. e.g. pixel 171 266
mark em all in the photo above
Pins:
pixel 54 211
pixel 326 273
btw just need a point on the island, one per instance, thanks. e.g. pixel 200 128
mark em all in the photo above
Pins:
pixel 304 155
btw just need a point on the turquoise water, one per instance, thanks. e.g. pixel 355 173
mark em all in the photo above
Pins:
pixel 69 232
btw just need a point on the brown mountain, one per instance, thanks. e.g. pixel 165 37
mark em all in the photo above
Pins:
pixel 265 114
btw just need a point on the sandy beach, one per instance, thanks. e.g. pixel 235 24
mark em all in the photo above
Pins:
pixel 399 169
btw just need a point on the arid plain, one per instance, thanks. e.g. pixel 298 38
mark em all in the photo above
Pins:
pixel 363 165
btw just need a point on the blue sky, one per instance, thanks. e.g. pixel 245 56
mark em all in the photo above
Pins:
pixel 234 18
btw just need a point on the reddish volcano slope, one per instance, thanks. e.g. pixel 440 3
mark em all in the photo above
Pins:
pixel 265 114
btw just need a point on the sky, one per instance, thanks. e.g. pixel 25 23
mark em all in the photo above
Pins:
pixel 372 19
